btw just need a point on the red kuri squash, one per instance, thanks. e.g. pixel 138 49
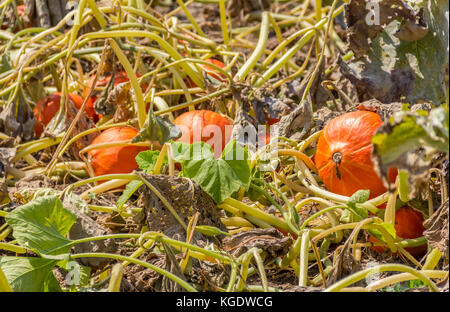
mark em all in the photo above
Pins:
pixel 408 224
pixel 47 108
pixel 194 125
pixel 117 159
pixel 343 154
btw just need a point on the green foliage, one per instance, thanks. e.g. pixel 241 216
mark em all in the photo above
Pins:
pixel 219 178
pixel 41 225
pixel 157 128
pixel 403 286
pixel 408 131
pixel 30 274
pixel 355 213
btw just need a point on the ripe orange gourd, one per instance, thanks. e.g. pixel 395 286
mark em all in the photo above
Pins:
pixel 194 122
pixel 343 154
pixel 47 108
pixel 116 159
pixel 408 224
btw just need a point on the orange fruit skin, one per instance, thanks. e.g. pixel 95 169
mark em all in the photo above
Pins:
pixel 350 136
pixel 47 108
pixel 117 159
pixel 199 119
pixel 408 225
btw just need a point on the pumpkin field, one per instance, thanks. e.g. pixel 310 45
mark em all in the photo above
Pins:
pixel 224 146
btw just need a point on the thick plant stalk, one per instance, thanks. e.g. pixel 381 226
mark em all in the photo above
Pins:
pixel 303 267
pixel 402 277
pixel 223 22
pixel 141 111
pixel 116 278
pixel 169 275
pixel 377 269
pixel 259 49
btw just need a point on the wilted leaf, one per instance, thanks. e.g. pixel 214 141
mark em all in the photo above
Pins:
pixel 41 225
pixel 407 140
pixel 159 129
pixel 388 67
pixel 437 226
pixel 17 119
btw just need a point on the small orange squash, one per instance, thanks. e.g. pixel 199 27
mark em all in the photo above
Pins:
pixel 47 108
pixel 194 125
pixel 116 159
pixel 343 156
pixel 408 225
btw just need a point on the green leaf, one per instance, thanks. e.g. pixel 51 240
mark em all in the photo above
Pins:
pixel 146 160
pixel 4 284
pixel 41 225
pixel 130 189
pixel 219 178
pixel 179 149
pixel 408 141
pixel 359 197
pixel 388 227
pixel 236 157
pixel 354 212
pixel 157 128
pixel 210 230
pixel 30 274
pixel 78 274
pixel 406 131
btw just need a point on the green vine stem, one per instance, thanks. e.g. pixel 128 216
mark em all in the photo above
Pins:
pixel 167 274
pixel 303 267
pixel 259 49
pixel 402 277
pixel 356 277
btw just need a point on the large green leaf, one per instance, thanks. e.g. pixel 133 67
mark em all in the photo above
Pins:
pixel 41 225
pixel 30 274
pixel 219 178
pixel 407 141
pixel 396 61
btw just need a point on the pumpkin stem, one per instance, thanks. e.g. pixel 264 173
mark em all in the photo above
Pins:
pixel 337 159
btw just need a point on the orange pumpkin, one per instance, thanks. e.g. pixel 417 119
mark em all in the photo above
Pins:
pixel 343 156
pixel 194 125
pixel 117 159
pixel 408 225
pixel 210 71
pixel 47 108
